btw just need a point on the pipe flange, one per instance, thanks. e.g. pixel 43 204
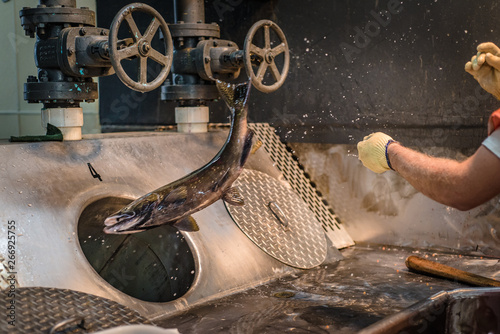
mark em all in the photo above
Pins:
pixel 31 18
pixel 211 30
pixel 57 92
pixel 189 92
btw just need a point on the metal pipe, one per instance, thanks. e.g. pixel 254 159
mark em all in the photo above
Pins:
pixel 64 3
pixel 189 11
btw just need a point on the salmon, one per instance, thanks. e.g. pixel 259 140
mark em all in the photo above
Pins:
pixel 175 202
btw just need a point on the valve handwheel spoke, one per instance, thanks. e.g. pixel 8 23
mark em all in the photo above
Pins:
pixel 127 52
pixel 267 37
pixel 143 70
pixel 262 71
pixel 158 57
pixel 265 57
pixel 257 51
pixel 279 49
pixel 152 29
pixel 275 72
pixel 141 47
pixel 136 34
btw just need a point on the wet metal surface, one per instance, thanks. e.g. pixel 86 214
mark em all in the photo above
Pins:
pixel 278 221
pixel 370 284
pixel 386 209
pixel 464 311
pixel 302 185
pixel 68 311
pixel 49 185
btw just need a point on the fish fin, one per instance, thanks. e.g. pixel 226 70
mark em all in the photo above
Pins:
pixel 232 196
pixel 256 145
pixel 235 96
pixel 176 196
pixel 151 197
pixel 187 224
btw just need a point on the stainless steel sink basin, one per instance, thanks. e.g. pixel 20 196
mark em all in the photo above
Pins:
pixel 464 311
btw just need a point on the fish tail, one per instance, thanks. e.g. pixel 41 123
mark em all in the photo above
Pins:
pixel 235 96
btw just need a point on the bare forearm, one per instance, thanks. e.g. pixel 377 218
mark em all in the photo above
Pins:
pixel 462 185
pixel 441 179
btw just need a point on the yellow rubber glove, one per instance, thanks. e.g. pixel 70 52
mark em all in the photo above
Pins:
pixel 372 152
pixel 485 68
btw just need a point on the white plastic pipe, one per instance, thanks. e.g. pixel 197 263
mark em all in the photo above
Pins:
pixel 192 119
pixel 68 120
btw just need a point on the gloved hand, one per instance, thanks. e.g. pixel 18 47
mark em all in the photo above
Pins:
pixel 372 152
pixel 485 67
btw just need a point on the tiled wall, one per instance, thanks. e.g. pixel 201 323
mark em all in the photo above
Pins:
pixel 17 117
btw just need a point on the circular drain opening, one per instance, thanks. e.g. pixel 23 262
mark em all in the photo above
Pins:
pixel 155 265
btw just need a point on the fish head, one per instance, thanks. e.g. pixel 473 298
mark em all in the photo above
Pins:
pixel 133 218
pixel 123 223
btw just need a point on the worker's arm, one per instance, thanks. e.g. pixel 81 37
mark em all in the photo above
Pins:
pixel 462 185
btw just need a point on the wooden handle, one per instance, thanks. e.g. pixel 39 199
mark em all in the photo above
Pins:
pixel 424 266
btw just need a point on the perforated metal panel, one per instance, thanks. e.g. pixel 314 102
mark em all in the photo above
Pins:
pixel 302 185
pixel 40 310
pixel 278 221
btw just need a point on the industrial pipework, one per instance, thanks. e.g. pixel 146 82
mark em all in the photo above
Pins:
pixel 200 57
pixel 70 51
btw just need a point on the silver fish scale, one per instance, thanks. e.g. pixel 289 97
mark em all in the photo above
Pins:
pixel 302 244
pixel 301 184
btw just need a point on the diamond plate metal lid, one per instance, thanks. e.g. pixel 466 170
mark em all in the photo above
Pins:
pixel 278 221
pixel 44 310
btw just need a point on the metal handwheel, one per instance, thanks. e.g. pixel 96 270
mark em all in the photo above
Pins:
pixel 141 47
pixel 264 58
